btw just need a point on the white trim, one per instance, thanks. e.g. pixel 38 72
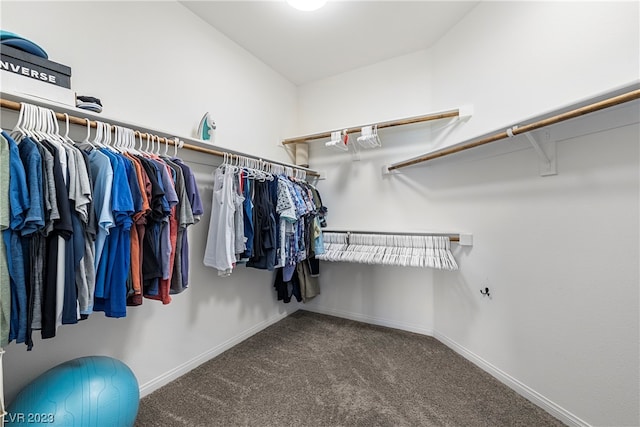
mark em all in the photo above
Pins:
pixel 151 386
pixel 520 388
pixel 411 327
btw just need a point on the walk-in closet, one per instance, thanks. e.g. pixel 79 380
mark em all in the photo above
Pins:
pixel 373 213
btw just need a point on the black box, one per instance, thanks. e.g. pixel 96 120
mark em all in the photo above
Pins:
pixel 17 61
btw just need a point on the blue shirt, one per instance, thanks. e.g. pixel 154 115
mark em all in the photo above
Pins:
pixel 113 268
pixel 19 205
pixel 102 174
pixel 18 190
pixel 32 161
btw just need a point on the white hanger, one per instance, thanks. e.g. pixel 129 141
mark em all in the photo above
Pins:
pixel 116 137
pixel 124 140
pixel 139 139
pixel 22 129
pixel 177 144
pixel 52 126
pixel 166 147
pixel 229 166
pixel 246 165
pixel 33 122
pixel 131 142
pixel 158 145
pixel 369 137
pixel 18 132
pixel 100 137
pixel 29 120
pixel 86 140
pixel 107 135
pixel 66 133
pixel 119 140
pixel 267 171
pixel 38 125
pixel 41 128
pixel 338 141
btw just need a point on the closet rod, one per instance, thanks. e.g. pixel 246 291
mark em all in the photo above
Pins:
pixel 399 122
pixel 453 237
pixel 13 105
pixel 609 102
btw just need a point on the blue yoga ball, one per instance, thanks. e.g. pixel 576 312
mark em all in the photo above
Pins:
pixel 92 391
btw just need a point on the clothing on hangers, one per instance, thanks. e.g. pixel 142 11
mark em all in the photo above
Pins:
pixel 5 223
pixel 269 224
pixel 87 229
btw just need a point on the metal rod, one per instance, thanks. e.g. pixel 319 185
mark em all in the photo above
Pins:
pixel 399 122
pixel 452 236
pixel 610 102
pixel 12 105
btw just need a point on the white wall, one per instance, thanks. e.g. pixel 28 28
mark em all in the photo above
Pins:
pixel 560 254
pixel 512 60
pixel 156 64
pixel 563 320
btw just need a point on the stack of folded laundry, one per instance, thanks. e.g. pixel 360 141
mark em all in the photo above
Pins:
pixel 89 103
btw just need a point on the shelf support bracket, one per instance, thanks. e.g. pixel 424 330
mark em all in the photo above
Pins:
pixel 546 151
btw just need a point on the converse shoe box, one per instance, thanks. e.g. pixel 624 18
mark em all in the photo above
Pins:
pixel 24 73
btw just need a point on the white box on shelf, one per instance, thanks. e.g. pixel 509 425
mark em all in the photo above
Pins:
pixel 15 83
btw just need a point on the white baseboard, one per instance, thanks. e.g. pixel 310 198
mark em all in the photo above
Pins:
pixel 167 377
pixel 520 388
pixel 370 319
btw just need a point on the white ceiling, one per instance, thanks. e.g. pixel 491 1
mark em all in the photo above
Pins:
pixel 342 36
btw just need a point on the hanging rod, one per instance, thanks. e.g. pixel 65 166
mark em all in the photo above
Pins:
pixel 515 130
pixel 13 105
pixel 400 122
pixel 464 239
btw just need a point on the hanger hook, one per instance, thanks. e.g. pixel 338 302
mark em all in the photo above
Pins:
pixel 66 120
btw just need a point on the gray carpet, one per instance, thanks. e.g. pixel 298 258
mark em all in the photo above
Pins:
pixel 315 370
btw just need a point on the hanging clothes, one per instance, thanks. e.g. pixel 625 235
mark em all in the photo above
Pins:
pixel 220 248
pixel 19 203
pixel 74 220
pixel 264 222
pixel 5 223
pixel 270 223
pixel 193 211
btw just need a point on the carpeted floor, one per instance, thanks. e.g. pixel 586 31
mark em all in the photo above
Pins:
pixel 315 370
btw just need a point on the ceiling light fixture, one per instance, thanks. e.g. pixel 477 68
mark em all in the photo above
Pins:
pixel 307 5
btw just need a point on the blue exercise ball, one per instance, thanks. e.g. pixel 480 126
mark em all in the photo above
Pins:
pixel 92 391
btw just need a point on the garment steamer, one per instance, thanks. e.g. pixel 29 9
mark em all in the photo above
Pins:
pixel 206 128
